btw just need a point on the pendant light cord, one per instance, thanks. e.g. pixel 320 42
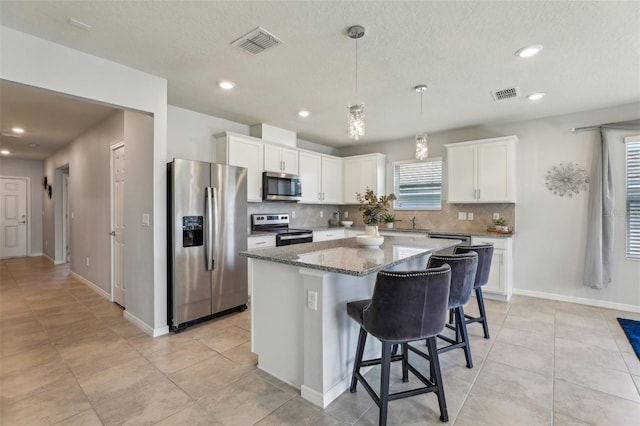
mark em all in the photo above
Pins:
pixel 356 100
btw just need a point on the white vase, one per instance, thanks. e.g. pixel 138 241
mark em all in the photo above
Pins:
pixel 371 230
pixel 389 224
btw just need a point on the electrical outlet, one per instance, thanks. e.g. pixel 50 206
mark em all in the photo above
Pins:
pixel 462 216
pixel 46 243
pixel 87 261
pixel 470 216
pixel 496 216
pixel 293 214
pixel 321 214
pixel 145 219
pixel 346 215
pixel 312 300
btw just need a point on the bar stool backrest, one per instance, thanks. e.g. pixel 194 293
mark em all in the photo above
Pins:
pixel 463 275
pixel 408 305
pixel 485 255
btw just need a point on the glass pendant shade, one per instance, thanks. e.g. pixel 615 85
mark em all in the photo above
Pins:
pixel 356 121
pixel 422 150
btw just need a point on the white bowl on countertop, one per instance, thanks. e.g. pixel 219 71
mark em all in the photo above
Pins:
pixel 369 240
pixel 346 223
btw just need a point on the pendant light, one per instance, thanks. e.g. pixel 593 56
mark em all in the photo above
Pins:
pixel 422 150
pixel 356 111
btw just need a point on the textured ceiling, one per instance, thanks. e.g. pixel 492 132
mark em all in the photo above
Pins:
pixel 462 50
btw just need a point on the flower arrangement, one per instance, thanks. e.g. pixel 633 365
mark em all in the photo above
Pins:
pixel 372 207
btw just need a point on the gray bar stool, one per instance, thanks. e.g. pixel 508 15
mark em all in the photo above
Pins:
pixel 405 306
pixel 463 273
pixel 485 256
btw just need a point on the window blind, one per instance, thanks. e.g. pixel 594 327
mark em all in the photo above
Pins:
pixel 418 185
pixel 633 200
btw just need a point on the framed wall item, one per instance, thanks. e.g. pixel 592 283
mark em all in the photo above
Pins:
pixel 567 179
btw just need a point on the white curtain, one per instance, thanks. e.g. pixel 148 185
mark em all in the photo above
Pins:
pixel 597 271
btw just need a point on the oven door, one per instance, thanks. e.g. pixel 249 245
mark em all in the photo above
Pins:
pixel 289 239
pixel 281 187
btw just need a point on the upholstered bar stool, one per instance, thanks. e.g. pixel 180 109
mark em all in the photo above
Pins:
pixel 405 306
pixel 463 273
pixel 485 256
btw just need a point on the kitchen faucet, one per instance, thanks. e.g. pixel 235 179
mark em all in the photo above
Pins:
pixel 337 214
pixel 413 222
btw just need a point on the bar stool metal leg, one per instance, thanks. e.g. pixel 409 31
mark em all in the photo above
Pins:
pixel 483 313
pixel 362 338
pixel 437 377
pixel 461 330
pixel 384 382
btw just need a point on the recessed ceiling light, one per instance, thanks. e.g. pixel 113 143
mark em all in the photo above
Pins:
pixel 529 51
pixel 17 130
pixel 226 85
pixel 4 152
pixel 536 96
pixel 303 113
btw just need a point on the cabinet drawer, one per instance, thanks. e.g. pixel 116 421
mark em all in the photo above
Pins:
pixel 262 241
pixel 328 235
pixel 498 243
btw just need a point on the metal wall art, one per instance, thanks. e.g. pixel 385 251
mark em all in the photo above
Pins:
pixel 567 179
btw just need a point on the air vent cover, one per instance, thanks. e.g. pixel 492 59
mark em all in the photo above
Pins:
pixel 510 93
pixel 256 41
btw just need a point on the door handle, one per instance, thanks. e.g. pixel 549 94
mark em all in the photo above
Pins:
pixel 112 233
pixel 208 227
pixel 23 221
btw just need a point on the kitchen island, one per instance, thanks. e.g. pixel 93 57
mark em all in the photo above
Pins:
pixel 299 323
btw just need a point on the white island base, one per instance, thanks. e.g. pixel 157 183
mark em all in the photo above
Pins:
pixel 300 327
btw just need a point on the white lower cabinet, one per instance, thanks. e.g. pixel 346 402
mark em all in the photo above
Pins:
pixel 332 234
pixel 500 285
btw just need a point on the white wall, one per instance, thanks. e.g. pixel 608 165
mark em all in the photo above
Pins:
pixel 190 133
pixel 551 230
pixel 40 63
pixel 32 169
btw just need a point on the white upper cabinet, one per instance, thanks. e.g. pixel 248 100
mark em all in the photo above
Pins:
pixel 321 178
pixel 362 172
pixel 482 171
pixel 243 151
pixel 280 159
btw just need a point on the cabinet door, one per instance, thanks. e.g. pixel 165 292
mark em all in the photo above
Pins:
pixel 310 177
pixel 248 154
pixel 272 162
pixel 461 174
pixel 351 180
pixel 495 183
pixel 289 158
pixel 332 181
pixel 496 274
pixel 369 174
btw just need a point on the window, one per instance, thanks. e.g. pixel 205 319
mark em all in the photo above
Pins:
pixel 633 199
pixel 418 185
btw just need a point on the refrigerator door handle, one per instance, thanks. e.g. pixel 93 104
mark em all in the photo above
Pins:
pixel 214 225
pixel 208 212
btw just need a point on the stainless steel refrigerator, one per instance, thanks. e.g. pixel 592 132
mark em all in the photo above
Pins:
pixel 207 228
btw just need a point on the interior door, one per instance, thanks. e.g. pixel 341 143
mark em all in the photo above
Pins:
pixel 13 208
pixel 118 243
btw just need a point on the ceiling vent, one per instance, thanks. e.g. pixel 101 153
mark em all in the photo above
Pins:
pixel 510 93
pixel 256 41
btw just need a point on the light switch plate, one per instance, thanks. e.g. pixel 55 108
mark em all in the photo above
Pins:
pixel 462 216
pixel 470 216
pixel 312 300
pixel 496 216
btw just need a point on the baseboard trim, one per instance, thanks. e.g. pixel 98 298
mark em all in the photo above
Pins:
pixel 35 254
pixel 50 259
pixel 153 332
pixel 92 285
pixel 578 300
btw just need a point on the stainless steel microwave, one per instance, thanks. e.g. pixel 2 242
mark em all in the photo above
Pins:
pixel 281 187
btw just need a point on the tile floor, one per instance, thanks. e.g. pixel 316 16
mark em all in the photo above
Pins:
pixel 69 358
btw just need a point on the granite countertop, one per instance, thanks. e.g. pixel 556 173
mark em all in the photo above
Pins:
pixel 407 230
pixel 345 256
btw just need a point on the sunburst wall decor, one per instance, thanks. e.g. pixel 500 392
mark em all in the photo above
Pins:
pixel 567 179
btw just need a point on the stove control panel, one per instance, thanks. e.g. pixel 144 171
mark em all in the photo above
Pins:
pixel 270 219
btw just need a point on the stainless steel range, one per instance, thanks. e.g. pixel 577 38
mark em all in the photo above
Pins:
pixel 279 223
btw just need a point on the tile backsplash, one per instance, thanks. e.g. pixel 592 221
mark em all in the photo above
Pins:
pixel 309 215
pixel 306 215
pixel 447 218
